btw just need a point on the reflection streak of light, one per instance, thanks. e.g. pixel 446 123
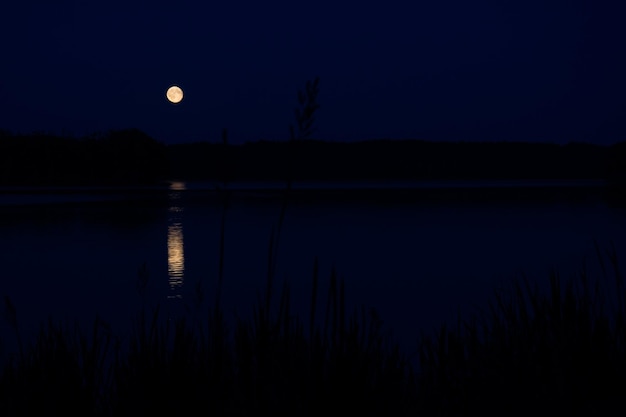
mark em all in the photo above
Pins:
pixel 175 257
pixel 175 245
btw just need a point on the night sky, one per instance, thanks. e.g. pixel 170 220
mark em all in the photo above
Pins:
pixel 532 70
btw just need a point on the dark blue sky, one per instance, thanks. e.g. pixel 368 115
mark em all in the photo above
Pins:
pixel 436 70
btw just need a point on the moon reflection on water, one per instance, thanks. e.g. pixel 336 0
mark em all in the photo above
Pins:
pixel 175 242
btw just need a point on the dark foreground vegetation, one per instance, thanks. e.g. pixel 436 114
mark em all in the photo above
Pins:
pixel 561 351
pixel 132 157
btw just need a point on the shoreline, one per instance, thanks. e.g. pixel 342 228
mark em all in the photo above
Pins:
pixel 309 190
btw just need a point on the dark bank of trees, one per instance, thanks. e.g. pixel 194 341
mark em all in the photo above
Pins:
pixel 118 157
pixel 395 159
pixel 131 157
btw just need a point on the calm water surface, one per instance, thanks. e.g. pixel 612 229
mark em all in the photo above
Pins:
pixel 417 262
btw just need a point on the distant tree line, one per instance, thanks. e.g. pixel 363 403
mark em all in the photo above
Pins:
pixel 118 157
pixel 396 159
pixel 132 157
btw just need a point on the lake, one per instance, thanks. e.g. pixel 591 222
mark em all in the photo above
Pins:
pixel 418 252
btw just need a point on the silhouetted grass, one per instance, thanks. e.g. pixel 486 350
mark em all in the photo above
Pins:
pixel 264 365
pixel 561 351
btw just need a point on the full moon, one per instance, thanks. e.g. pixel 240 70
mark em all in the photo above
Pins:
pixel 174 94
